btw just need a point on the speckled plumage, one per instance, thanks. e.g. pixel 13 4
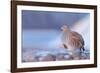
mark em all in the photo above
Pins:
pixel 72 40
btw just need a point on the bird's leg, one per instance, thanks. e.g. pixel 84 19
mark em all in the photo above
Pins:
pixel 82 50
pixel 63 46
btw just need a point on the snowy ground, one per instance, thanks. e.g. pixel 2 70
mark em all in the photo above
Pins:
pixel 44 45
pixel 38 55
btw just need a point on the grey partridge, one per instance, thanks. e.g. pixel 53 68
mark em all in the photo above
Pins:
pixel 72 41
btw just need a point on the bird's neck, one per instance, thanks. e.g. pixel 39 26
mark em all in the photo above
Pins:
pixel 67 31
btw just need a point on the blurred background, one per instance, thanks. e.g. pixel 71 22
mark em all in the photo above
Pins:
pixel 41 30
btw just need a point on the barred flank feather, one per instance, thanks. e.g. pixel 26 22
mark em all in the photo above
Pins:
pixel 75 40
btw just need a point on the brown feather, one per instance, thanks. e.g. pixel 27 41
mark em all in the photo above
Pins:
pixel 72 39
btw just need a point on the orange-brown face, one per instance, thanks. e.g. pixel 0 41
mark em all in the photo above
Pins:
pixel 64 28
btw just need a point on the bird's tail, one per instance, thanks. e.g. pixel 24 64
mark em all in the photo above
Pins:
pixel 82 49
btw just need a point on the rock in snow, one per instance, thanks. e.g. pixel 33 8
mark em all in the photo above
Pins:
pixel 61 57
pixel 48 57
pixel 28 57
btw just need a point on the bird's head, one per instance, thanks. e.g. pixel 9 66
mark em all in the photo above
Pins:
pixel 65 28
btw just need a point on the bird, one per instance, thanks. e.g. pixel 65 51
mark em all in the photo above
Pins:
pixel 72 41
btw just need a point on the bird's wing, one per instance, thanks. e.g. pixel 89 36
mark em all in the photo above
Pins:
pixel 76 40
